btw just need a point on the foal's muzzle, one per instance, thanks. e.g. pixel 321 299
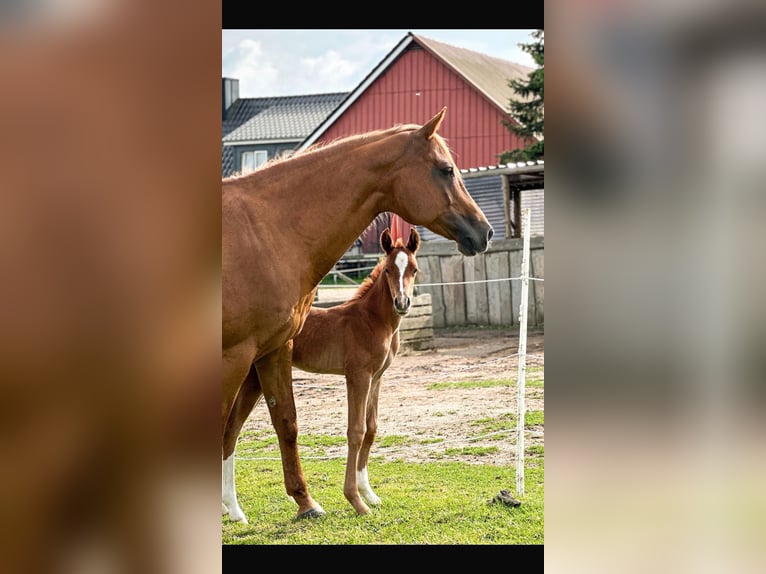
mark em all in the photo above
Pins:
pixel 402 304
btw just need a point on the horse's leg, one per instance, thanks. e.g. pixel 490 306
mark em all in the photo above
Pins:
pixel 275 374
pixel 246 400
pixel 358 389
pixel 237 362
pixel 369 437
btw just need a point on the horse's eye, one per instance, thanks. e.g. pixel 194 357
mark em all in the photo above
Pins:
pixel 448 171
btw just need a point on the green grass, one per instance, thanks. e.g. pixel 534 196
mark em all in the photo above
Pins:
pixel 425 503
pixel 471 384
pixel 506 422
pixel 436 502
pixel 470 450
pixel 530 382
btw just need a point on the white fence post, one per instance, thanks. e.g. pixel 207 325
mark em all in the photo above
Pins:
pixel 520 402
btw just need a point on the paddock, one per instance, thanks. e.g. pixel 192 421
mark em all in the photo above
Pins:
pixel 441 425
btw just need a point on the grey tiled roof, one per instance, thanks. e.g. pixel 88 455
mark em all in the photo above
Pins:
pixel 279 118
pixel 227 161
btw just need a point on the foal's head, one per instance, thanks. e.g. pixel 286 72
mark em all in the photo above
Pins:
pixel 400 267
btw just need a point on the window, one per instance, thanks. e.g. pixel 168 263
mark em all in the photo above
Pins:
pixel 252 159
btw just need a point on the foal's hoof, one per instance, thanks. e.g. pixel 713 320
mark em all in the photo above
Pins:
pixel 312 513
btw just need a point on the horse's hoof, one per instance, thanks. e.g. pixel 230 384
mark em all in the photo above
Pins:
pixel 238 516
pixel 312 513
pixel 238 519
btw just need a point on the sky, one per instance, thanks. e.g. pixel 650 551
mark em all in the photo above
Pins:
pixel 271 63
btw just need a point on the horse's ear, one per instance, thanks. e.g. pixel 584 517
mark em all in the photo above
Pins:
pixel 385 240
pixel 429 129
pixel 413 244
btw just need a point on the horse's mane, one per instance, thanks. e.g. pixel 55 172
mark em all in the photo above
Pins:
pixel 370 280
pixel 340 142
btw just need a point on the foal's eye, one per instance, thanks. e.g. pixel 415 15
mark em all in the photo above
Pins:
pixel 448 171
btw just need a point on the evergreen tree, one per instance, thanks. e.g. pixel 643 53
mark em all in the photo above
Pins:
pixel 529 112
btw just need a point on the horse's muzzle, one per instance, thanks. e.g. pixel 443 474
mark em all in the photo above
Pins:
pixel 475 238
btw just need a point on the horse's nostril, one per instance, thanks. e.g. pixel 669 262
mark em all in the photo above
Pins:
pixel 490 233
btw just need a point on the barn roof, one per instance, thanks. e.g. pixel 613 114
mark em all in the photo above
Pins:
pixel 488 75
pixel 259 120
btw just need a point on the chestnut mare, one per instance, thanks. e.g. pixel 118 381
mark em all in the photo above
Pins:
pixel 284 226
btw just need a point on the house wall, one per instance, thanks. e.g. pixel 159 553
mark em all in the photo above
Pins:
pixel 273 150
pixel 487 192
pixel 413 90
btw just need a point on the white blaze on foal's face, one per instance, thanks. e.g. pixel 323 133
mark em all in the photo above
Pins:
pixel 401 264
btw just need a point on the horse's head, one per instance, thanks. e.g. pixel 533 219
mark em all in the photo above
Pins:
pixel 428 190
pixel 400 268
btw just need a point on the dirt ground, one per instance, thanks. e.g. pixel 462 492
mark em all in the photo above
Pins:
pixel 408 408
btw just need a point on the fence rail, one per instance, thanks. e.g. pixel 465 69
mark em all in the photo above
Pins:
pixel 481 290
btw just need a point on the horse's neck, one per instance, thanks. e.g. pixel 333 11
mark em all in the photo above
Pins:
pixel 336 199
pixel 378 301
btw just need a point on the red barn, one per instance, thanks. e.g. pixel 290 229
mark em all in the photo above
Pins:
pixel 413 82
pixel 419 77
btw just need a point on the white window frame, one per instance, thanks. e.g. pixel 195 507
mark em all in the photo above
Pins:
pixel 253 159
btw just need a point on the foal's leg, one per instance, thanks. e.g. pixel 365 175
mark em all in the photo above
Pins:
pixel 372 425
pixel 358 389
pixel 247 398
pixel 369 437
pixel 275 374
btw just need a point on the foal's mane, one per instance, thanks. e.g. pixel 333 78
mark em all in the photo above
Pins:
pixel 375 273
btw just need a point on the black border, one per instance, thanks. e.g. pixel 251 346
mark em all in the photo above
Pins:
pixel 432 556
pixel 239 15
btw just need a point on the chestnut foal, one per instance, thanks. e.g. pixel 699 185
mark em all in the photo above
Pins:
pixel 359 339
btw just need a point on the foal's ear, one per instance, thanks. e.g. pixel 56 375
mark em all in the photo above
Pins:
pixel 385 240
pixel 429 129
pixel 413 244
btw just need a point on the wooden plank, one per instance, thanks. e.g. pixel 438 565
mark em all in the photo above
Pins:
pixel 514 258
pixel 537 261
pixel 421 300
pixel 499 292
pixel 416 334
pixel 444 247
pixel 409 323
pixel 454 295
pixel 419 311
pixel 476 305
pixel 430 272
pixel 413 334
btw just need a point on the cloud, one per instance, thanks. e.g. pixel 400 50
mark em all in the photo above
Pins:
pixel 248 62
pixel 329 69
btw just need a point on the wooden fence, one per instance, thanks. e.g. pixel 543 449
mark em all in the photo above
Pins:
pixel 487 297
